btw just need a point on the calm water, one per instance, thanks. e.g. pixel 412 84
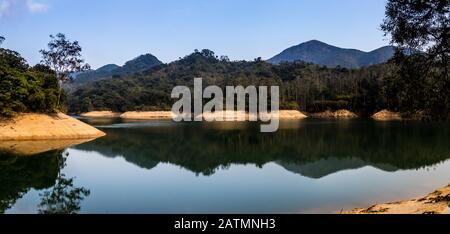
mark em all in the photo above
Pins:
pixel 308 166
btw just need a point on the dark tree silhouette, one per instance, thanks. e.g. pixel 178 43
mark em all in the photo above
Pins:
pixel 421 25
pixel 2 39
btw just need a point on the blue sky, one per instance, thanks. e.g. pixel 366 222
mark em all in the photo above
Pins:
pixel 114 31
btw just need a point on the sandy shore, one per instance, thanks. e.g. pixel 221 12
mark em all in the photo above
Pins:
pixel 101 114
pixel 147 115
pixel 437 202
pixel 235 115
pixel 289 114
pixel 46 127
pixel 386 115
pixel 339 114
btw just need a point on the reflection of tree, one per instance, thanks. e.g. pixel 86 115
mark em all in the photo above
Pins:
pixel 64 197
pixel 387 146
pixel 20 174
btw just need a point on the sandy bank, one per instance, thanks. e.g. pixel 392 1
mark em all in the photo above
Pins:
pixel 437 202
pixel 288 114
pixel 147 115
pixel 386 115
pixel 227 116
pixel 101 114
pixel 339 114
pixel 245 116
pixel 46 127
pixel 235 115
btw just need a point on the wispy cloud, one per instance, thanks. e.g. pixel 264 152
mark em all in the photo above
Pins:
pixel 7 7
pixel 36 7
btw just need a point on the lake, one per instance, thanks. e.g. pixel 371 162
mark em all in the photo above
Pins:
pixel 308 166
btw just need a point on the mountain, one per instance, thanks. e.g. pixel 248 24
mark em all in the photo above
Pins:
pixel 108 68
pixel 321 53
pixel 139 64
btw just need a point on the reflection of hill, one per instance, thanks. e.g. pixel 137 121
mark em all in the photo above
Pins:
pixel 19 174
pixel 325 167
pixel 333 146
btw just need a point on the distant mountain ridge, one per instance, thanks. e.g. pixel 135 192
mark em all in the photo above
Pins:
pixel 136 65
pixel 320 53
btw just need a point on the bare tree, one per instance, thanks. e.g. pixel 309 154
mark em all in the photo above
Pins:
pixel 63 57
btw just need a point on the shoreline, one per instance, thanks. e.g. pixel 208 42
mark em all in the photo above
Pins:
pixel 342 114
pixel 101 114
pixel 34 126
pixel 437 202
pixel 167 115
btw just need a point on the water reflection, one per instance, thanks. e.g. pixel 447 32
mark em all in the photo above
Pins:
pixel 19 174
pixel 311 148
pixel 34 147
pixel 314 149
pixel 63 198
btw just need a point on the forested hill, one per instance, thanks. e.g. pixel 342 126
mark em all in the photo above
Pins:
pixel 331 56
pixel 303 86
pixel 139 64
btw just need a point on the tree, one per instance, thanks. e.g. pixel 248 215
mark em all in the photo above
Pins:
pixel 422 25
pixel 2 39
pixel 64 58
pixel 25 89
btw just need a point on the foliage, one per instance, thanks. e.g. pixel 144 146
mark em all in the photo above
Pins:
pixel 422 81
pixel 25 89
pixel 303 86
pixel 64 58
